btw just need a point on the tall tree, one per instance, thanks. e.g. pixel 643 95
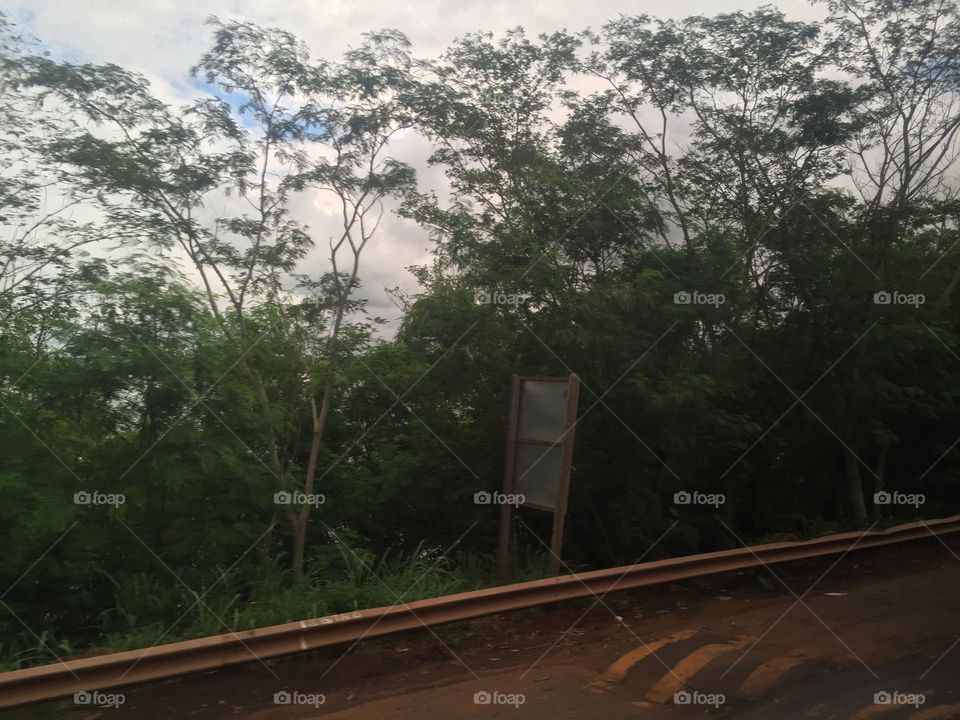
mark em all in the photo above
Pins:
pixel 275 125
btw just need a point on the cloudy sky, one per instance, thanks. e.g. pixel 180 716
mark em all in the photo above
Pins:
pixel 163 38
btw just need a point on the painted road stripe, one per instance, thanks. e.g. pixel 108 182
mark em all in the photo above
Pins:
pixel 690 666
pixel 940 712
pixel 767 675
pixel 874 710
pixel 618 670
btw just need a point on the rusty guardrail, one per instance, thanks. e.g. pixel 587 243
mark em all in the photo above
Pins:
pixel 49 682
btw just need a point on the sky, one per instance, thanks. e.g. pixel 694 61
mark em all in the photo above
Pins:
pixel 163 38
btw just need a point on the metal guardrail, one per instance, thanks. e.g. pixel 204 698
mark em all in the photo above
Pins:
pixel 50 682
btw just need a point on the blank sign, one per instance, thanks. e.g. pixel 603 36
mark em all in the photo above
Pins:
pixel 543 415
pixel 538 474
pixel 543 410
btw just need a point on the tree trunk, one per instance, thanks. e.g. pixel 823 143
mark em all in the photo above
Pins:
pixel 661 455
pixel 947 295
pixel 602 532
pixel 299 542
pixel 299 524
pixel 854 486
pixel 879 477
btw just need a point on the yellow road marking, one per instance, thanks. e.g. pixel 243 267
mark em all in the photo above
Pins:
pixel 874 710
pixel 938 713
pixel 618 670
pixel 766 676
pixel 690 666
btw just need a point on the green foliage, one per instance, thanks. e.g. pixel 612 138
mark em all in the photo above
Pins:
pixel 196 362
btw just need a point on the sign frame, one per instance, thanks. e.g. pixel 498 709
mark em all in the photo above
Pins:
pixel 565 442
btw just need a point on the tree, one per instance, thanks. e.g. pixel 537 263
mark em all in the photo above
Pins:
pixel 314 127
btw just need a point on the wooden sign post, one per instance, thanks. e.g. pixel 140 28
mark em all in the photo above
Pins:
pixel 539 457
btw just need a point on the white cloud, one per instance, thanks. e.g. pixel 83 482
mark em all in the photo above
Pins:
pixel 163 38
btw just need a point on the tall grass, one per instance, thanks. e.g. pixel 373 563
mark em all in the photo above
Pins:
pixel 149 609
